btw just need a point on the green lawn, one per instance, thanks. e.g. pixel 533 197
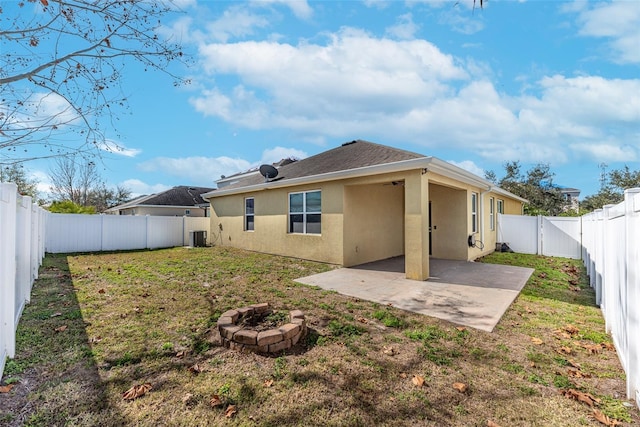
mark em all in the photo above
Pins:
pixel 100 324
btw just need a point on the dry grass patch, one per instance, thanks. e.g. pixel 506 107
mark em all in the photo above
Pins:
pixel 140 347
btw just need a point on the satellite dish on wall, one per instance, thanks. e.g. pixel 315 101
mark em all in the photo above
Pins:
pixel 269 172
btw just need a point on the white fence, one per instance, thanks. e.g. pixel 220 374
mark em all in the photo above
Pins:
pixel 22 228
pixel 94 233
pixel 541 235
pixel 608 242
pixel 611 254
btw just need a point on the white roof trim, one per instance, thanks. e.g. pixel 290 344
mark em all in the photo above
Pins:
pixel 430 163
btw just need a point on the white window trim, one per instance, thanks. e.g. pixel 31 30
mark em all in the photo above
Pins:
pixel 247 215
pixel 500 206
pixel 474 212
pixel 492 214
pixel 187 212
pixel 304 212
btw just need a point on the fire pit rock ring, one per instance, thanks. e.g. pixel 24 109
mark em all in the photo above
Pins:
pixel 237 337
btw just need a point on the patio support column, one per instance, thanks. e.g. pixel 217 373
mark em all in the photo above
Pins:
pixel 416 225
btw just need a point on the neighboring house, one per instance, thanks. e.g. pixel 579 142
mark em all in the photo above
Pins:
pixel 363 202
pixel 571 197
pixel 178 201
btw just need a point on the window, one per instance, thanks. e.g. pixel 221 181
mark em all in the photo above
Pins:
pixel 305 212
pixel 500 206
pixel 249 214
pixel 474 212
pixel 187 212
pixel 492 214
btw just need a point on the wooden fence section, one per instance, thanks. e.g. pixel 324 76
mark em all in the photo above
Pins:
pixel 22 228
pixel 95 233
pixel 611 254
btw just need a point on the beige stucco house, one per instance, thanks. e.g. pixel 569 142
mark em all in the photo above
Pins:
pixel 177 201
pixel 362 202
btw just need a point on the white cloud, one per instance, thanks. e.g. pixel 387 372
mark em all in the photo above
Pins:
pixel 235 22
pixel 118 148
pixel 202 171
pixel 359 86
pixel 140 188
pixel 608 152
pixel 405 28
pixel 300 8
pixel 276 154
pixel 469 166
pixel 617 21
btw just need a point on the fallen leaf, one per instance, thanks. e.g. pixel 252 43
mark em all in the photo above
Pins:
pixel 461 387
pixel 195 369
pixel 389 350
pixel 61 328
pixel 403 375
pixel 585 398
pixel 95 340
pixel 181 354
pixel 418 380
pixel 558 333
pixel 574 364
pixel 136 391
pixel 56 314
pixel 599 416
pixel 571 329
pixel 565 350
pixel 362 320
pixel 6 388
pixel 592 348
pixel 101 291
pixel 577 373
pixel 536 341
pixel 492 424
pixel 215 401
pixel 136 309
pixel 268 383
pixel 187 397
pixel 45 3
pixel 608 346
pixel 461 328
pixel 231 411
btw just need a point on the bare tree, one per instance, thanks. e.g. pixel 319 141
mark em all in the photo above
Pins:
pixel 78 181
pixel 61 66
pixel 17 174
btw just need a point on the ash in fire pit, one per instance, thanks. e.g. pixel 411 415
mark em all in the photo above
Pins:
pixel 256 328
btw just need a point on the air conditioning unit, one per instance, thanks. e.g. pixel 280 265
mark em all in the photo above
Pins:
pixel 197 238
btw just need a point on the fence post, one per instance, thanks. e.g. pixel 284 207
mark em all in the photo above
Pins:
pixel 540 232
pixel 632 265
pixel 8 209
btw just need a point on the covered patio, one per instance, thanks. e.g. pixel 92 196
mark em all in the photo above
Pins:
pixel 466 293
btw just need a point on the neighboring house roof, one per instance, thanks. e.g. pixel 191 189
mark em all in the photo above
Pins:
pixel 351 159
pixel 180 196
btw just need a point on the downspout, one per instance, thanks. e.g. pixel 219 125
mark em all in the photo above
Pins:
pixel 481 213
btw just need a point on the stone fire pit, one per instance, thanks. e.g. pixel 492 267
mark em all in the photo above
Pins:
pixel 236 334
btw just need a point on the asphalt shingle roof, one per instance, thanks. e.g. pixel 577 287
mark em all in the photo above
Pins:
pixel 350 155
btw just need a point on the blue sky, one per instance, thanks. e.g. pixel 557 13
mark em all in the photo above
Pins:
pixel 556 82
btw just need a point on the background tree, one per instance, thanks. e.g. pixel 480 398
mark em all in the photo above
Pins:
pixel 61 68
pixel 612 188
pixel 545 198
pixel 67 206
pixel 17 174
pixel 79 182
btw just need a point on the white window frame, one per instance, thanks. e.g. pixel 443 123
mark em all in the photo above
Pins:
pixel 187 212
pixel 500 206
pixel 304 213
pixel 474 212
pixel 248 215
pixel 492 214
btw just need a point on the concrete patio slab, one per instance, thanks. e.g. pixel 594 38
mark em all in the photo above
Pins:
pixel 466 293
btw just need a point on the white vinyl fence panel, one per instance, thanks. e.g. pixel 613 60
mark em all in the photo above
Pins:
pixel 22 226
pixel 541 235
pixel 611 254
pixel 68 233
